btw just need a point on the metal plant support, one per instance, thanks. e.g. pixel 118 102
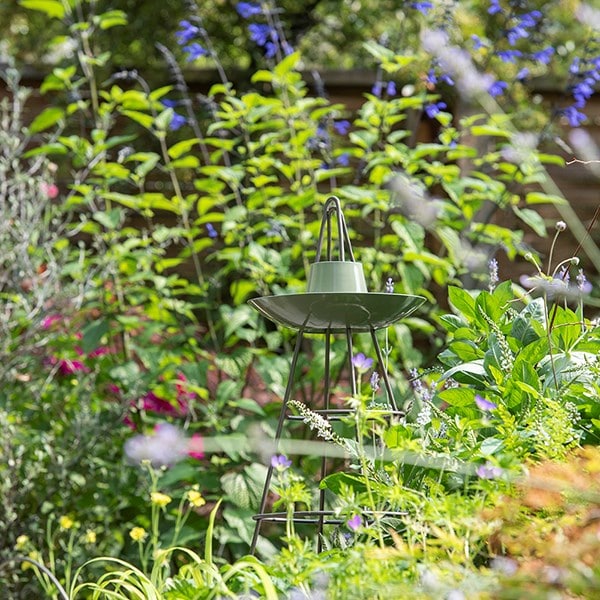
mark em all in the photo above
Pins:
pixel 336 302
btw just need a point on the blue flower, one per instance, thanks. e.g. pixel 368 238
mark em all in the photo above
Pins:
pixel 582 91
pixel 574 68
pixel 280 462
pixel 530 19
pixel 260 33
pixel 515 33
pixel 522 74
pixel 187 33
pixel 248 9
pixel 376 89
pixel 195 51
pixel 422 7
pixel 391 88
pixel 509 56
pixel 477 42
pixel 432 110
pixel 211 231
pixel 177 121
pixel 544 56
pixel 497 88
pixel 343 159
pixel 169 103
pixel 342 127
pixel 270 49
pixel 361 363
pixel 574 117
pixel 494 7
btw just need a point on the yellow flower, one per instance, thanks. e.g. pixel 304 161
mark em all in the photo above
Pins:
pixel 22 541
pixel 90 536
pixel 160 499
pixel 66 522
pixel 195 498
pixel 35 555
pixel 137 534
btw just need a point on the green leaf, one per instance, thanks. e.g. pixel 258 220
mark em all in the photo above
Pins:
pixel 48 117
pixel 182 147
pixel 541 198
pixel 139 117
pixel 93 333
pixel 112 18
pixel 533 219
pixel 489 130
pixel 335 481
pixel 462 301
pixel 55 9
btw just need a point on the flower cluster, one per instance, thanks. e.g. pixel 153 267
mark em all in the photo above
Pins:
pixel 585 75
pixel 267 36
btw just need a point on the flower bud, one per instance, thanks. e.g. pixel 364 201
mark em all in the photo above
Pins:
pixel 560 226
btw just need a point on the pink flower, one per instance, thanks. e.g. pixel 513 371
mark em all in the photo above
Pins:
pixel 100 351
pixel 196 447
pixel 49 189
pixel 66 366
pixel 48 321
pixel 153 403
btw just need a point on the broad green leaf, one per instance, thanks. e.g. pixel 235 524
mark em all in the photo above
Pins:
pixel 55 9
pixel 93 333
pixel 531 218
pixel 462 301
pixel 48 117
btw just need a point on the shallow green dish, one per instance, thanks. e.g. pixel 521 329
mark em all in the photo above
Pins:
pixel 337 311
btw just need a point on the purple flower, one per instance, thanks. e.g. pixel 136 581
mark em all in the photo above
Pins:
pixel 195 51
pixel 374 381
pixel 376 89
pixel 248 9
pixel 211 231
pixel 342 127
pixel 187 33
pixel 354 523
pixel 509 56
pixel 177 121
pixel 270 49
pixel 280 462
pixel 544 56
pixel 494 7
pixel 584 286
pixel 361 363
pixel 391 88
pixel 433 110
pixel 260 33
pixel 484 404
pixel 497 88
pixel 488 471
pixel 422 7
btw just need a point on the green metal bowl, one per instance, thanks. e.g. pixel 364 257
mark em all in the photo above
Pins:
pixel 337 311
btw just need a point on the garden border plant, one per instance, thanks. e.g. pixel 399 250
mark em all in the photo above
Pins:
pixel 177 358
